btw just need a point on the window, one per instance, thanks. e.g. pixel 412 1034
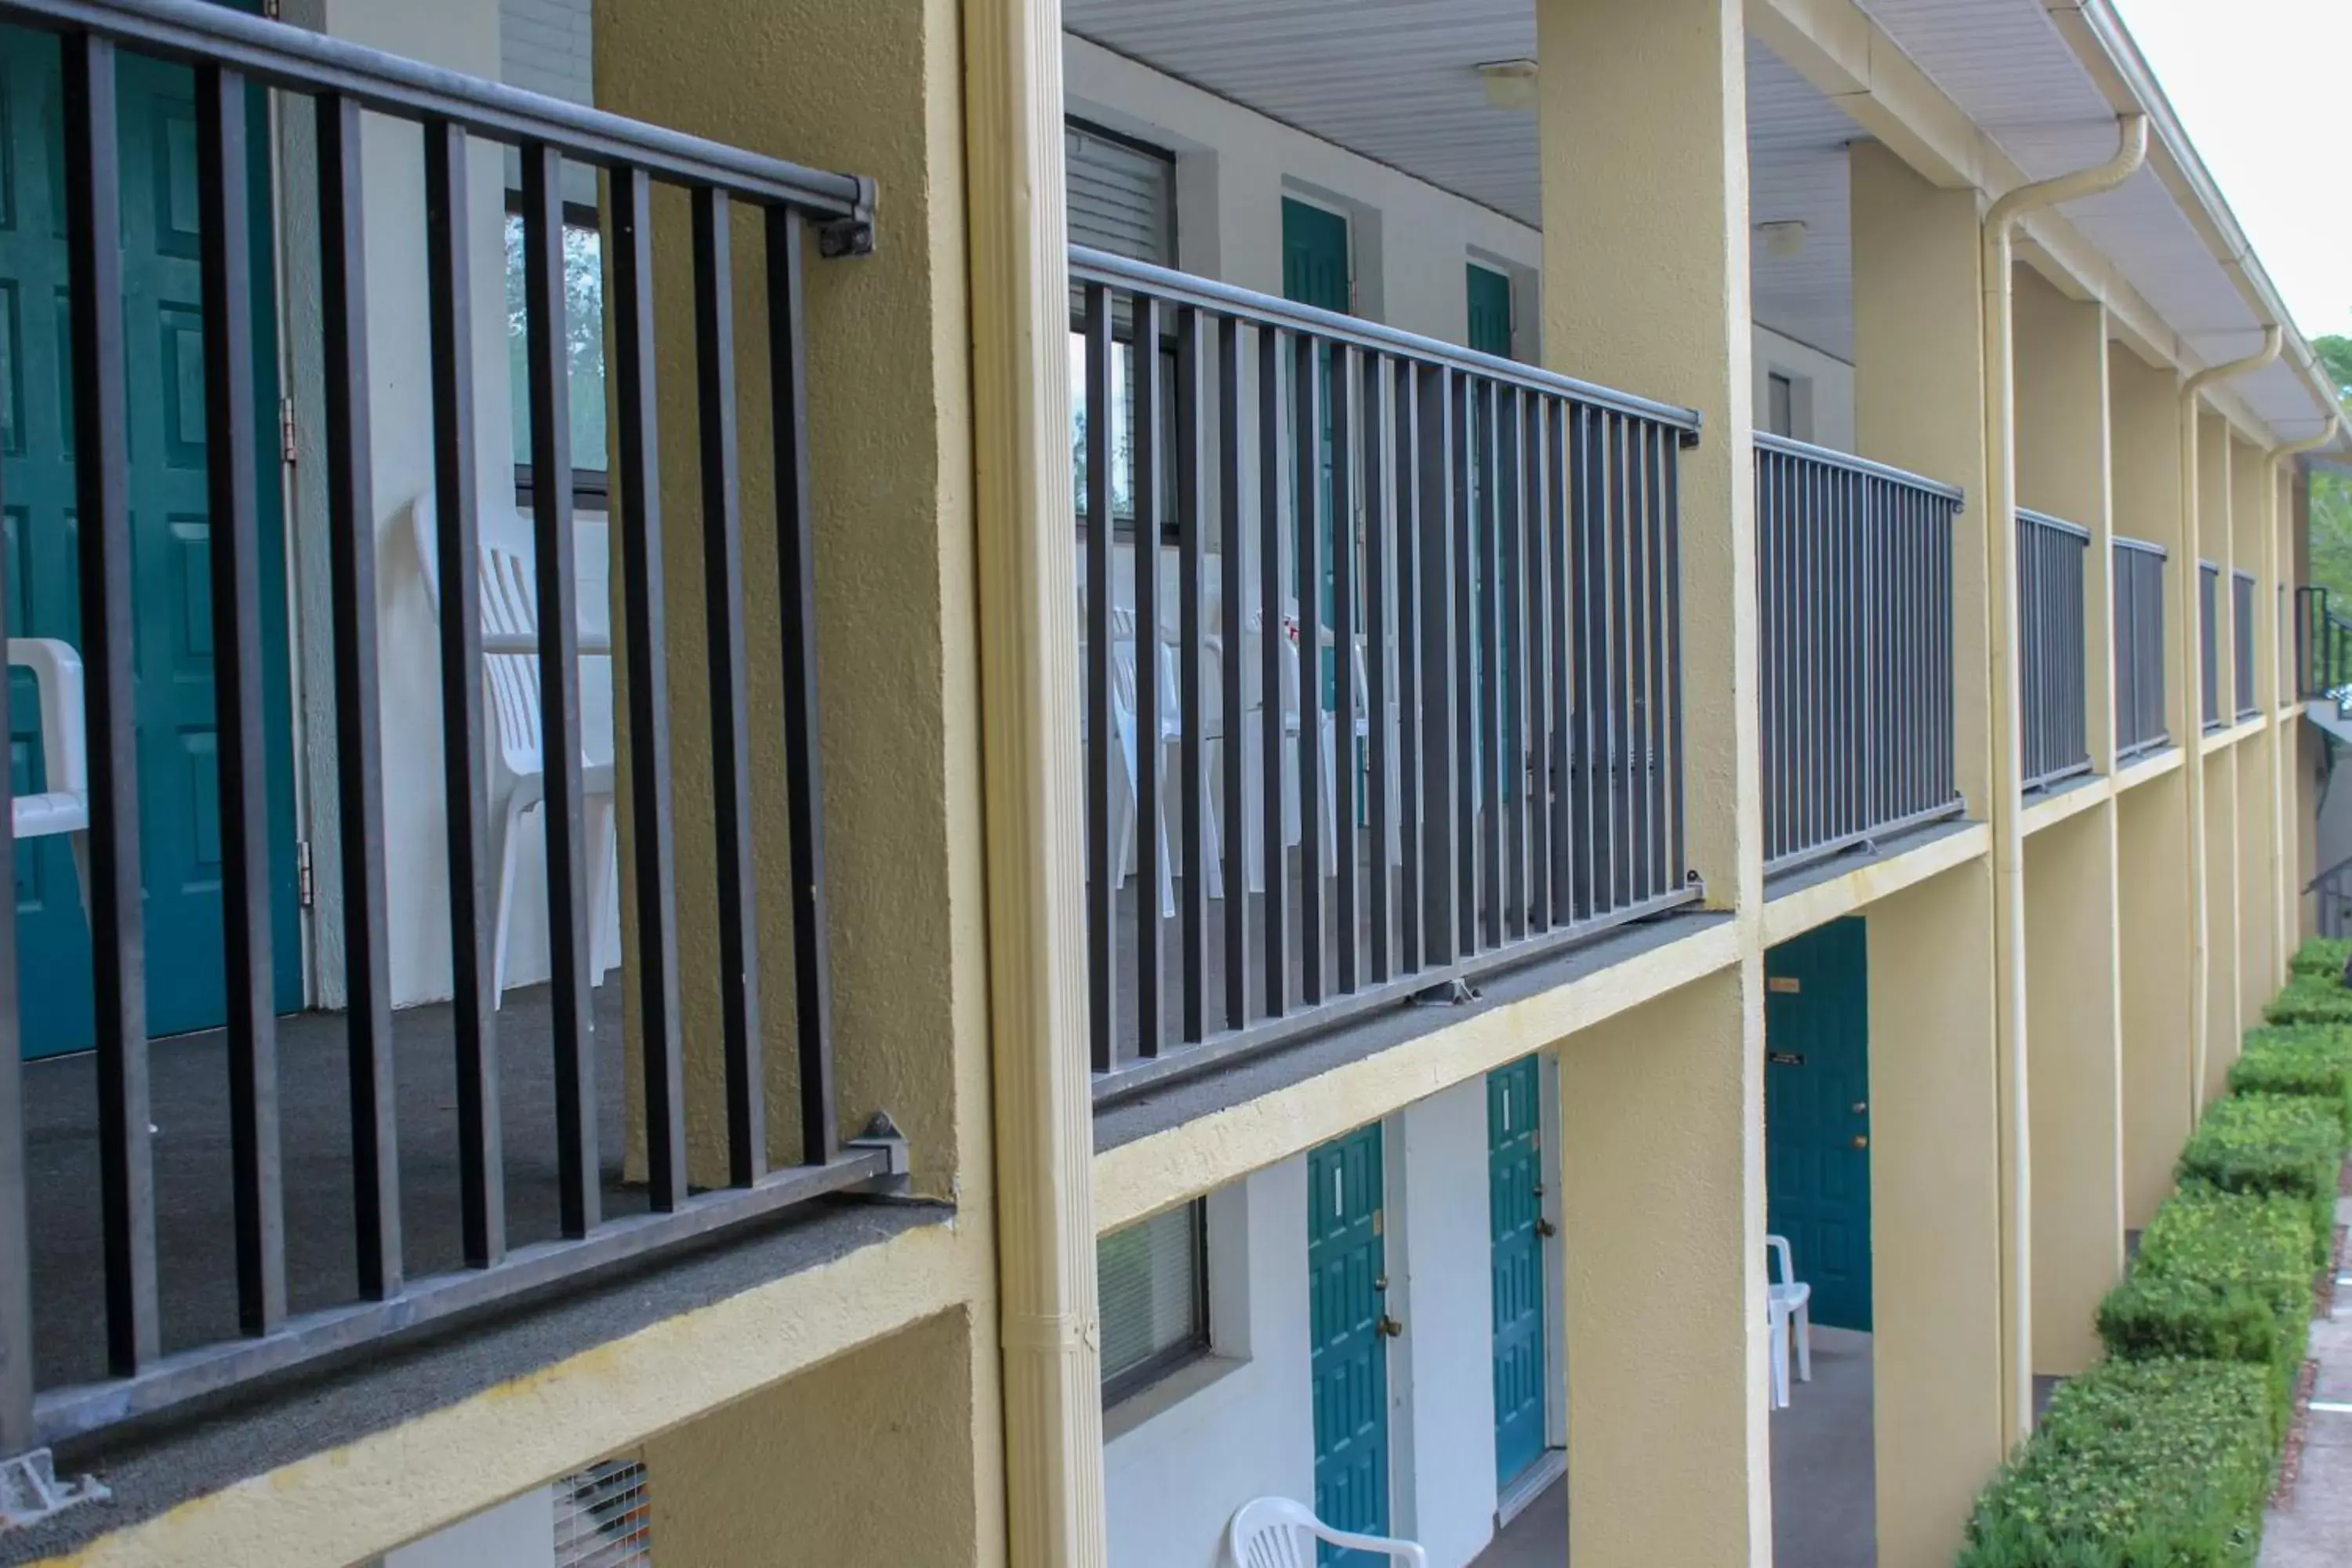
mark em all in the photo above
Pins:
pixel 603 1517
pixel 1780 404
pixel 1122 199
pixel 1153 1282
pixel 584 331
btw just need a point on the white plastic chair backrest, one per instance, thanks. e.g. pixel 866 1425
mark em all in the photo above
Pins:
pixel 1276 1532
pixel 509 606
pixel 57 678
pixel 1779 1245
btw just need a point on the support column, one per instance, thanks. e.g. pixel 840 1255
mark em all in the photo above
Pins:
pixel 1663 1221
pixel 1662 1112
pixel 2217 1045
pixel 2251 538
pixel 2073 1006
pixel 1939 1428
pixel 2152 836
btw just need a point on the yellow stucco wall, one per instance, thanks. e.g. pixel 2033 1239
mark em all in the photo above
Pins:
pixel 2152 903
pixel 2221 919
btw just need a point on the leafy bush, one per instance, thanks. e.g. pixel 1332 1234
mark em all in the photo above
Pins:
pixel 2311 1059
pixel 2138 1464
pixel 2220 1275
pixel 2311 999
pixel 2273 1144
pixel 2321 955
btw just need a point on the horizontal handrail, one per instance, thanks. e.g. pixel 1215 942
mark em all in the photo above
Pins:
pixel 1829 457
pixel 2143 546
pixel 2055 524
pixel 1174 287
pixel 280 56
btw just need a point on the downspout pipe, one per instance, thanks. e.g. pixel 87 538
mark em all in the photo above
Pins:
pixel 2004 808
pixel 2191 675
pixel 2287 884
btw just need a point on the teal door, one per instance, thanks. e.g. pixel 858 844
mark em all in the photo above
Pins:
pixel 1817 1114
pixel 1490 312
pixel 1347 1281
pixel 171 579
pixel 1516 1225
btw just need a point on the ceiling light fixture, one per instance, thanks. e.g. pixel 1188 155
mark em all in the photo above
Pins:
pixel 1783 240
pixel 1510 84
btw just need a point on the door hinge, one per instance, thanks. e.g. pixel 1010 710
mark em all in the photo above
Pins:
pixel 302 871
pixel 274 10
pixel 286 448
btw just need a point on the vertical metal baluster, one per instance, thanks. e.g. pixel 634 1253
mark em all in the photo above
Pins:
pixel 1347 935
pixel 1469 518
pixel 637 461
pixel 1585 526
pixel 1671 563
pixel 231 487
pixel 556 569
pixel 481 1160
pixel 1493 595
pixel 1655 595
pixel 359 744
pixel 1437 463
pixel 1307 434
pixel 1641 705
pixel 1402 388
pixel 16 1433
pixel 1231 541
pixel 1378 606
pixel 726 656
pixel 1192 645
pixel 1272 635
pixel 1103 874
pixel 1559 545
pixel 803 758
pixel 1151 944
pixel 1624 500
pixel 1535 659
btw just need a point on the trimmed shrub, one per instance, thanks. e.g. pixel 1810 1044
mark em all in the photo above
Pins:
pixel 2138 1464
pixel 2311 999
pixel 2310 1060
pixel 2220 1275
pixel 2288 1145
pixel 2321 955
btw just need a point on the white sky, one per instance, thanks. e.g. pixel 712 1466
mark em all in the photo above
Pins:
pixel 2252 80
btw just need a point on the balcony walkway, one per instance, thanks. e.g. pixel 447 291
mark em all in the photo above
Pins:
pixel 2314 1529
pixel 195 1263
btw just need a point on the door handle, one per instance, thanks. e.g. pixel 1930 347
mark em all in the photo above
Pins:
pixel 1861 1141
pixel 1546 1229
pixel 1387 1327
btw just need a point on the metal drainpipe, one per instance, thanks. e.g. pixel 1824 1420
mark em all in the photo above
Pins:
pixel 2200 981
pixel 2284 889
pixel 2004 808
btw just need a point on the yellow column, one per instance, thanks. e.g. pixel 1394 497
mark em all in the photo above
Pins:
pixel 2218 1046
pixel 1939 1429
pixel 1938 1310
pixel 2073 1008
pixel 1645 287
pixel 2250 547
pixel 2152 818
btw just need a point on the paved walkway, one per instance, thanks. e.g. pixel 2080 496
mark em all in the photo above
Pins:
pixel 2315 1530
pixel 1824 1504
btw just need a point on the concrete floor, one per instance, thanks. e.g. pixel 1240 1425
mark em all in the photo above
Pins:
pixel 1825 1507
pixel 2315 1530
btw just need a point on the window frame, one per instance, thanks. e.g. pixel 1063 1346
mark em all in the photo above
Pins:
pixel 592 488
pixel 1195 1346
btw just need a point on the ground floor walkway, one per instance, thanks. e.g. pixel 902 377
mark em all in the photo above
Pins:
pixel 1824 1509
pixel 2314 1529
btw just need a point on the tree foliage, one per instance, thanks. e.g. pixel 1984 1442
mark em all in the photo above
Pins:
pixel 2331 493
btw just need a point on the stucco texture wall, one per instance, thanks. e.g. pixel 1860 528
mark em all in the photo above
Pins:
pixel 866 1459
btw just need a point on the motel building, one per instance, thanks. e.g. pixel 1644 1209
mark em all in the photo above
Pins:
pixel 944 781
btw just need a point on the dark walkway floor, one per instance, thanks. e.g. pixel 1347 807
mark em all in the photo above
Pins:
pixel 195 1264
pixel 1824 1504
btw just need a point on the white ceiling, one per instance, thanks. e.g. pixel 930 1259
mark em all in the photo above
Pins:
pixel 1395 81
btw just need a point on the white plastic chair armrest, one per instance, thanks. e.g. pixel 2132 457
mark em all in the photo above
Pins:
pixel 1779 1244
pixel 57 676
pixel 1404 1551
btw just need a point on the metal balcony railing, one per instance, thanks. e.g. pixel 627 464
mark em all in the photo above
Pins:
pixel 1854 573
pixel 2241 643
pixel 2323 645
pixel 2052 723
pixel 2208 634
pixel 339 88
pixel 1406 703
pixel 2140 648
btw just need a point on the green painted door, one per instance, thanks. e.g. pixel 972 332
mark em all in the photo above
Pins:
pixel 1515 1222
pixel 171 579
pixel 1490 312
pixel 1347 1281
pixel 1817 1114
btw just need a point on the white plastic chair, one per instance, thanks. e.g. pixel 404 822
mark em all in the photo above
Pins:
pixel 64 806
pixel 516 765
pixel 1276 1532
pixel 1789 1311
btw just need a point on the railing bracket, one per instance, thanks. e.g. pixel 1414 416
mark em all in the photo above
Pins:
pixel 845 237
pixel 30 1491
pixel 882 1133
pixel 1447 994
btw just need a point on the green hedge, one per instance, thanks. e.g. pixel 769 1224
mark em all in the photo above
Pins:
pixel 2311 999
pixel 2138 1464
pixel 2321 955
pixel 2288 1145
pixel 2312 1059
pixel 2223 1275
